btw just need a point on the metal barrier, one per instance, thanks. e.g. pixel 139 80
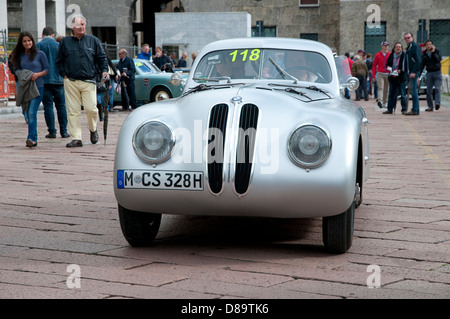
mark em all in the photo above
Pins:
pixel 4 82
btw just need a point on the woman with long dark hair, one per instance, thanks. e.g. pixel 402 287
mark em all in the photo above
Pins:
pixel 31 65
pixel 397 79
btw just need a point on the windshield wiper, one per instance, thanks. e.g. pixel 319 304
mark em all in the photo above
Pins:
pixel 215 79
pixel 282 71
pixel 198 88
pixel 291 90
pixel 204 87
pixel 311 87
pixel 315 88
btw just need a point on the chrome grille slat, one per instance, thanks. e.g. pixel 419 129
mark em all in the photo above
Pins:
pixel 217 124
pixel 245 147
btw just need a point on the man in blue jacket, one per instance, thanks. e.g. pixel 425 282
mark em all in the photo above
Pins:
pixel 79 57
pixel 413 60
pixel 145 53
pixel 127 70
pixel 53 87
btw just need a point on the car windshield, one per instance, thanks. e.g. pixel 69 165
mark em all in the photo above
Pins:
pixel 145 67
pixel 263 64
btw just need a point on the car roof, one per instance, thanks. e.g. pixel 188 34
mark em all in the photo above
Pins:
pixel 263 42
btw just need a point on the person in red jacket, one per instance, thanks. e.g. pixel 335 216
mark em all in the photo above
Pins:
pixel 380 74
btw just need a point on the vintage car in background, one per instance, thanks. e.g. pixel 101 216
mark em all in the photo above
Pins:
pixel 260 130
pixel 151 84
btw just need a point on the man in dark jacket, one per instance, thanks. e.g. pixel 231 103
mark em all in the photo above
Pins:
pixel 413 60
pixel 431 59
pixel 53 87
pixel 77 61
pixel 127 70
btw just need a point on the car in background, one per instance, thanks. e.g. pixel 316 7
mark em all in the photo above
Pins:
pixel 151 84
pixel 261 130
pixel 422 89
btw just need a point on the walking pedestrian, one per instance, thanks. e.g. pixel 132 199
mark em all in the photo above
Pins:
pixel 380 74
pixel 161 60
pixel 127 70
pixel 79 72
pixel 145 53
pixel 182 63
pixel 397 79
pixel 413 61
pixel 431 60
pixel 53 87
pixel 31 66
pixel 12 69
pixel 106 87
pixel 361 72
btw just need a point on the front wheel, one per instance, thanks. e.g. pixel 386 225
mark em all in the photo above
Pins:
pixel 159 94
pixel 138 228
pixel 337 231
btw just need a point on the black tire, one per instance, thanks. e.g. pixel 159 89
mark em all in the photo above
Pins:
pixel 138 228
pixel 159 94
pixel 337 231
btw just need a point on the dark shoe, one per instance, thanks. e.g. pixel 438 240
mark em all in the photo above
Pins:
pixel 65 135
pixel 74 143
pixel 94 137
pixel 357 99
pixel 429 109
pixel 50 135
pixel 30 143
pixel 380 105
pixel 388 112
pixel 438 107
pixel 412 113
pixel 366 99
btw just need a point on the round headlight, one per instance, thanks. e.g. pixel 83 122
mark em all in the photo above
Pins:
pixel 153 142
pixel 309 146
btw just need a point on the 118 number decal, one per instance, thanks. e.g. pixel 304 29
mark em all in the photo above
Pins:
pixel 253 56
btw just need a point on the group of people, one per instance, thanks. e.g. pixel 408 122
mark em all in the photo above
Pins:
pixel 54 73
pixel 162 60
pixel 394 72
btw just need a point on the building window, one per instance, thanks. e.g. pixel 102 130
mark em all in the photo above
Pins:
pixel 440 35
pixel 309 36
pixel 14 5
pixel 265 32
pixel 373 36
pixel 308 3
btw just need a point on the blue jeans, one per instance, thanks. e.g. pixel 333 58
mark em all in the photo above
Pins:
pixel 32 116
pixel 434 79
pixel 55 93
pixel 100 97
pixel 412 85
pixel 361 91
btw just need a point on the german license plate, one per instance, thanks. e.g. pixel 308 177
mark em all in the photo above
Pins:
pixel 180 180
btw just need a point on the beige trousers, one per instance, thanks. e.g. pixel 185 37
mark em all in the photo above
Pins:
pixel 383 87
pixel 79 93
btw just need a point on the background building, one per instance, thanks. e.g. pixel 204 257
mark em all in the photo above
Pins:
pixel 347 25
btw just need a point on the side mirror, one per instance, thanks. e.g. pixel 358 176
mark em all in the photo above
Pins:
pixel 352 84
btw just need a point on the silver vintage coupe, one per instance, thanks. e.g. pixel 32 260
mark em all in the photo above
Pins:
pixel 262 129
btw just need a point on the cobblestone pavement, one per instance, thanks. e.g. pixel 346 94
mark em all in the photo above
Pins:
pixel 60 235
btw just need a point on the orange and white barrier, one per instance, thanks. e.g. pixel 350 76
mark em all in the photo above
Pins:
pixel 4 82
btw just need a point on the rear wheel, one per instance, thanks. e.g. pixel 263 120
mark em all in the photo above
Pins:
pixel 138 228
pixel 337 231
